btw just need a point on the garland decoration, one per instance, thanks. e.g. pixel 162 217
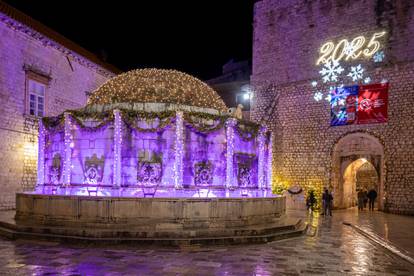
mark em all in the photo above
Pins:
pixel 104 118
pixel 51 123
pixel 247 130
pixel 79 116
pixel 164 119
pixel 196 120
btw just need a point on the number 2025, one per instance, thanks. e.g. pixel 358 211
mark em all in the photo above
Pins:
pixel 357 47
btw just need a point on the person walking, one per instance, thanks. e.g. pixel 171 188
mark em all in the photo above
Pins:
pixel 327 203
pixel 361 198
pixel 365 198
pixel 311 201
pixel 372 195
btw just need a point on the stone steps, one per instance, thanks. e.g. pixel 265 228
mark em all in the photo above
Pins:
pixel 284 228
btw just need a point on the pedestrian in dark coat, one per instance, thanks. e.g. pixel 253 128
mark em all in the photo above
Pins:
pixel 327 203
pixel 372 195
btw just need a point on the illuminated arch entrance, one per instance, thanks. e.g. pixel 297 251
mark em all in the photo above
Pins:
pixel 357 155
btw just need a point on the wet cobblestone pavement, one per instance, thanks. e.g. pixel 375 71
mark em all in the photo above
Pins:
pixel 330 248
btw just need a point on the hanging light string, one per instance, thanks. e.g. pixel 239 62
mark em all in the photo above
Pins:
pixel 157 86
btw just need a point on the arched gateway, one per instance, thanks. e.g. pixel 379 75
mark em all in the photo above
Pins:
pixel 357 156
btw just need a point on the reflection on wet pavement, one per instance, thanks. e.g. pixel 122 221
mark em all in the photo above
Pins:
pixel 330 248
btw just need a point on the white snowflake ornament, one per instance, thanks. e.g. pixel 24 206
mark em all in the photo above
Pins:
pixel 378 56
pixel 331 71
pixel 367 80
pixel 356 72
pixel 341 114
pixel 318 96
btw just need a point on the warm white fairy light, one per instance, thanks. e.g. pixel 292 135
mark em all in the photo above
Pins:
pixel 269 162
pixel 68 150
pixel 41 155
pixel 179 150
pixel 157 85
pixel 261 139
pixel 117 148
pixel 229 151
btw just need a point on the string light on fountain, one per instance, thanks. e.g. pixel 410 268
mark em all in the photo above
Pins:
pixel 229 151
pixel 262 150
pixel 117 148
pixel 314 83
pixel 157 85
pixel 179 149
pixel 68 150
pixel 41 156
pixel 269 162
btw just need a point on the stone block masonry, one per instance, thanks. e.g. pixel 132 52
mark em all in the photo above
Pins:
pixel 287 39
pixel 25 52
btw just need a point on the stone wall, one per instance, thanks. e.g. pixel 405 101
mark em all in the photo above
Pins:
pixel 287 39
pixel 23 52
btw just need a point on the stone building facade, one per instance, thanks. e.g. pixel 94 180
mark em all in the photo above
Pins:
pixel 41 73
pixel 290 95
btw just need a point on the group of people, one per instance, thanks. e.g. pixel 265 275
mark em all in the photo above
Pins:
pixel 327 202
pixel 365 197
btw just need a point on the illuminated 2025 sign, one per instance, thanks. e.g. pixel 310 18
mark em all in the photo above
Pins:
pixel 357 47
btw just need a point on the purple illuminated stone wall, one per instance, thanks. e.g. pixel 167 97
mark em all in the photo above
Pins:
pixel 152 157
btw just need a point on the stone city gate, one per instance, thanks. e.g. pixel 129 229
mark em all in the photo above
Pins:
pixel 350 153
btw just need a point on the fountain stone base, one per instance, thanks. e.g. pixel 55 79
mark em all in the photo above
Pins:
pixel 166 221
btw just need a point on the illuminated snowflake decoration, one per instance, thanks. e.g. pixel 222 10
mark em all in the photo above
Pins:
pixel 331 71
pixel 367 80
pixel 341 114
pixel 356 72
pixel 338 96
pixel 318 96
pixel 379 56
pixel 314 83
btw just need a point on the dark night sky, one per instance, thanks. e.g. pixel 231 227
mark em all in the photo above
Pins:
pixel 197 37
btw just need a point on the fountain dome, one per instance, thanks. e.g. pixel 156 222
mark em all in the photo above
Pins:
pixel 157 86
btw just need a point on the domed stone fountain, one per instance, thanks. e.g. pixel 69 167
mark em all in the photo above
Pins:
pixel 153 155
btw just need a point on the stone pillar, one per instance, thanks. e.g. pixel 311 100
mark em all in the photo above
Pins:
pixel 179 150
pixel 116 181
pixel 41 156
pixel 67 163
pixel 261 140
pixel 229 151
pixel 269 162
